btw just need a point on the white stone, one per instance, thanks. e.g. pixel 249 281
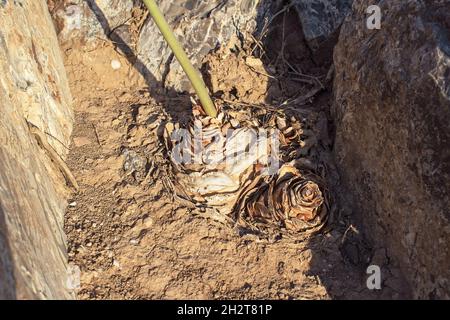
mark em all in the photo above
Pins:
pixel 115 64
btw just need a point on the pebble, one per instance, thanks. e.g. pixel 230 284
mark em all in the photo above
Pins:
pixel 147 222
pixel 134 241
pixel 115 64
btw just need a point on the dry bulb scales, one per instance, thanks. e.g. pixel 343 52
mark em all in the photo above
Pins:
pixel 241 166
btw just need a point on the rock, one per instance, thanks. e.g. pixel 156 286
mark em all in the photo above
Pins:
pixel 134 164
pixel 134 242
pixel 87 20
pixel 33 89
pixel 115 64
pixel 320 21
pixel 73 278
pixel 321 18
pixel 200 27
pixel 392 111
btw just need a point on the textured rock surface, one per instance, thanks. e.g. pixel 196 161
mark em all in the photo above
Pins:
pixel 320 21
pixel 321 18
pixel 200 26
pixel 33 88
pixel 88 20
pixel 392 90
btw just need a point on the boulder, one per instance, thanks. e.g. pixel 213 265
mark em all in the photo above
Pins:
pixel 392 111
pixel 200 26
pixel 34 99
pixel 320 21
pixel 89 20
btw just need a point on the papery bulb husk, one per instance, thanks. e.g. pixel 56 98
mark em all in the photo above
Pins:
pixel 293 201
pixel 213 179
pixel 238 189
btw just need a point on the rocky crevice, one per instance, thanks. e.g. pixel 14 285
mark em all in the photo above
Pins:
pixel 389 124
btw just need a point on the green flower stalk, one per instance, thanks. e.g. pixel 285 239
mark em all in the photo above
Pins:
pixel 180 54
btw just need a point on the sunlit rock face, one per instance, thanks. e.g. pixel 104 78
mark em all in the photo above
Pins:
pixel 33 93
pixel 89 20
pixel 201 26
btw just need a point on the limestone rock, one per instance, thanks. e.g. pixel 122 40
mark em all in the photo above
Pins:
pixel 34 89
pixel 392 90
pixel 200 26
pixel 87 20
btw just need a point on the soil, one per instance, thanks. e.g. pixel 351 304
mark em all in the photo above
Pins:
pixel 129 237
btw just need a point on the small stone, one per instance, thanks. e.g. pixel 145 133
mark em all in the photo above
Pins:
pixel 72 204
pixel 147 222
pixel 115 64
pixel 134 242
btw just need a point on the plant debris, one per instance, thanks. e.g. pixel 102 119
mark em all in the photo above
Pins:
pixel 222 166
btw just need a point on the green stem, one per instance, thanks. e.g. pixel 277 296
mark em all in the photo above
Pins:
pixel 182 58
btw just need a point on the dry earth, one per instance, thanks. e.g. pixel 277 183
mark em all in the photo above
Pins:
pixel 132 240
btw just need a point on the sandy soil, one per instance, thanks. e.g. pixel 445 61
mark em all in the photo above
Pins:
pixel 132 240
